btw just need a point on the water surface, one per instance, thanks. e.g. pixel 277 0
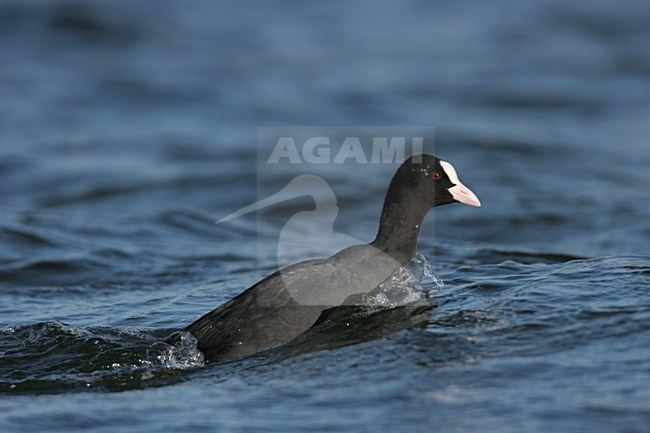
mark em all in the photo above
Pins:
pixel 128 128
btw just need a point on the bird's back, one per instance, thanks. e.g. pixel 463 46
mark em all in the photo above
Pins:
pixel 287 303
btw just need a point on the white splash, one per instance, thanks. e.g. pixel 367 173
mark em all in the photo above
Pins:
pixel 404 287
pixel 183 354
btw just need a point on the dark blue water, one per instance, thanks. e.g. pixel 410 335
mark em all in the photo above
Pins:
pixel 128 128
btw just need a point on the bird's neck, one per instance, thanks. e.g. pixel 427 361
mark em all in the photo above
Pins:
pixel 400 223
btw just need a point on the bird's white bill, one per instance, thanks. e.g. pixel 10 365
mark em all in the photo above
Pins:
pixel 459 192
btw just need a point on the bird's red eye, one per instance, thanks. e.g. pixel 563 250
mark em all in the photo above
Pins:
pixel 435 175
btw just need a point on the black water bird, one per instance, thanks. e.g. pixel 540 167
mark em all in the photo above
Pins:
pixel 288 302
